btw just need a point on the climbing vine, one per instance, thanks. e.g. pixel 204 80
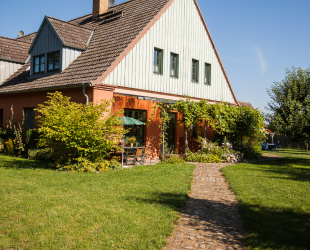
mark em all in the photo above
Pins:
pixel 237 124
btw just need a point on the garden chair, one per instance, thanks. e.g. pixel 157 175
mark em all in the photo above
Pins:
pixel 148 152
pixel 278 146
pixel 264 146
pixel 139 154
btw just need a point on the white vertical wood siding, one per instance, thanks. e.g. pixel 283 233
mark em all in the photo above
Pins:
pixel 7 69
pixel 47 41
pixel 181 31
pixel 68 56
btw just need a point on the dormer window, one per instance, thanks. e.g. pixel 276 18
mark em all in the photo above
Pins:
pixel 39 64
pixel 53 61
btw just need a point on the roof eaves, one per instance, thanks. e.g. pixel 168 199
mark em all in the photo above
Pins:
pixel 43 89
pixel 10 60
pixel 74 47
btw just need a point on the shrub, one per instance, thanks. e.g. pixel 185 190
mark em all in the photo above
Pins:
pixel 84 165
pixel 173 160
pixel 44 154
pixel 225 152
pixel 250 152
pixel 205 158
pixel 9 147
pixel 78 131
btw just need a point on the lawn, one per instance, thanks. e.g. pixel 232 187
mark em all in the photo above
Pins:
pixel 274 200
pixel 129 209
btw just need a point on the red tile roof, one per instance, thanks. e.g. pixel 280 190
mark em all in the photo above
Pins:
pixel 27 38
pixel 111 37
pixel 71 35
pixel 13 50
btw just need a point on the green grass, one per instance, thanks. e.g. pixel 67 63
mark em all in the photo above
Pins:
pixel 274 200
pixel 129 209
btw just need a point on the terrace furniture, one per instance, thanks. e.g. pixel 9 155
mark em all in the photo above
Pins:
pixel 131 153
pixel 148 152
pixel 278 146
pixel 141 154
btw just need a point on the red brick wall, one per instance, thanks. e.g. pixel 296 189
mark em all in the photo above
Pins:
pixel 32 99
pixel 152 131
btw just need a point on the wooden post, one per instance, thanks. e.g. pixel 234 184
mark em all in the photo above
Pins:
pixel 186 141
pixel 163 143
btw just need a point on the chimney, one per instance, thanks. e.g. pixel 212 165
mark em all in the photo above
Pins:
pixel 99 7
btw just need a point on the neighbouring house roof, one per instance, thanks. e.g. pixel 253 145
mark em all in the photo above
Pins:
pixel 13 50
pixel 112 39
pixel 246 104
pixel 27 38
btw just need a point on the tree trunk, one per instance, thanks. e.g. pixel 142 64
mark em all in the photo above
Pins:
pixel 307 145
pixel 163 143
pixel 205 131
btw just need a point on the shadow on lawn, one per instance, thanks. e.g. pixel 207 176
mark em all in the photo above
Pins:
pixel 300 152
pixel 205 215
pixel 275 229
pixel 266 228
pixel 288 168
pixel 16 163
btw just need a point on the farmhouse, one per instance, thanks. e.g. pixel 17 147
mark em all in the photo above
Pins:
pixel 137 52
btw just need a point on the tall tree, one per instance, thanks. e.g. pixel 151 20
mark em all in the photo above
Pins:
pixel 290 105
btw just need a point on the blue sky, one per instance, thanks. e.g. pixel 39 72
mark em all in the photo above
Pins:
pixel 256 40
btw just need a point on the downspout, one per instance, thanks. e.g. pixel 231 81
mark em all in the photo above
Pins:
pixel 84 93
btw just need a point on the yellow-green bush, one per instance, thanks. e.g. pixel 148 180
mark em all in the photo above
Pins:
pixel 88 166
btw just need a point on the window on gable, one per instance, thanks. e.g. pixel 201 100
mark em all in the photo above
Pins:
pixel 158 61
pixel 195 70
pixel 207 73
pixel 53 61
pixel 1 118
pixel 174 65
pixel 39 64
pixel 29 118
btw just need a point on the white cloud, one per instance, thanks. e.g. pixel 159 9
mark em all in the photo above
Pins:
pixel 261 59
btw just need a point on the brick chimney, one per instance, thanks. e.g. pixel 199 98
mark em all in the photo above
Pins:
pixel 99 7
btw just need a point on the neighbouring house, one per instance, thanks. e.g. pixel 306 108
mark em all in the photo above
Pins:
pixel 137 52
pixel 246 104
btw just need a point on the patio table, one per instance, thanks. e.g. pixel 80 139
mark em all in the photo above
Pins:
pixel 127 153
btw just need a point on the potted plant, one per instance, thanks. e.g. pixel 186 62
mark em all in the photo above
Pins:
pixel 132 140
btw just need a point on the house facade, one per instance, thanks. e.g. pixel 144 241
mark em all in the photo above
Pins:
pixel 138 52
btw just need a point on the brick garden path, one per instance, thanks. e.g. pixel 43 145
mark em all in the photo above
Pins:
pixel 210 220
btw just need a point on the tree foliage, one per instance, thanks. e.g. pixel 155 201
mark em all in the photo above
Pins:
pixel 77 131
pixel 290 105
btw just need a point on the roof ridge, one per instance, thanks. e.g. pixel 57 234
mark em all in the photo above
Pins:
pixel 14 39
pixel 66 22
pixel 79 17
pixel 26 35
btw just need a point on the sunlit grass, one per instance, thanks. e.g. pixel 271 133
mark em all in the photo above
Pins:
pixel 274 200
pixel 129 209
